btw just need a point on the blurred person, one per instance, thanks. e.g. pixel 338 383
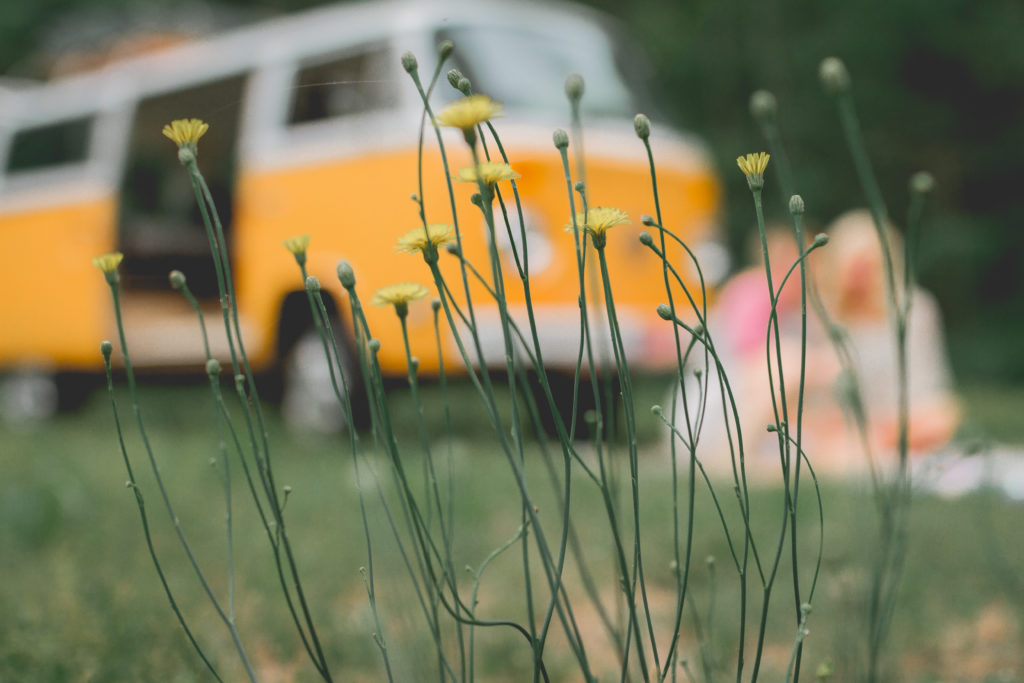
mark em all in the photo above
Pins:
pixel 854 293
pixel 738 326
pixel 850 276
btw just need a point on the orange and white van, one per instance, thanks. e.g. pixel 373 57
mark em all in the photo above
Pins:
pixel 313 129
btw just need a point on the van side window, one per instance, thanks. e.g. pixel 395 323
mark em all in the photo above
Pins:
pixel 54 144
pixel 351 84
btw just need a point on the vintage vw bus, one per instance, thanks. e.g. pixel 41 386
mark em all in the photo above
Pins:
pixel 313 129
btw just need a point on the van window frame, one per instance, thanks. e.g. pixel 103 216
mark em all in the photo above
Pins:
pixel 342 135
pixel 55 175
pixel 381 48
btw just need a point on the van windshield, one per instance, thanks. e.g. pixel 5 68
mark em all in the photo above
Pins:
pixel 523 68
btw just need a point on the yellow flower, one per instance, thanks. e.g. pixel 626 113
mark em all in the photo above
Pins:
pixel 417 239
pixel 490 172
pixel 399 294
pixel 753 164
pixel 298 244
pixel 185 131
pixel 469 112
pixel 599 220
pixel 108 263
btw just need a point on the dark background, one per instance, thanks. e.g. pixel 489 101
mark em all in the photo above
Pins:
pixel 939 85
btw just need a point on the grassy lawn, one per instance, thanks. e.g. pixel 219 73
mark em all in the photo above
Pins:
pixel 81 602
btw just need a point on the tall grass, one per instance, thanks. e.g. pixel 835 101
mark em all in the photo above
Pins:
pixel 595 604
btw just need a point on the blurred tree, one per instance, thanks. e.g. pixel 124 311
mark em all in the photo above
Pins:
pixel 939 85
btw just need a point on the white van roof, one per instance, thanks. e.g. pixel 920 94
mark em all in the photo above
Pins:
pixel 281 39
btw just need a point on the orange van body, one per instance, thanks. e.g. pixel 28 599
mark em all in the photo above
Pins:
pixel 291 166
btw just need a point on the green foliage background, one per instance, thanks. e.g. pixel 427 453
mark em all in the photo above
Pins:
pixel 939 86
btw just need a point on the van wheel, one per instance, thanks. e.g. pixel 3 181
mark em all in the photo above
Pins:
pixel 28 395
pixel 308 401
pixel 562 384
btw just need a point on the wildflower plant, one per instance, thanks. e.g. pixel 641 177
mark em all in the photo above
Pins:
pixel 646 643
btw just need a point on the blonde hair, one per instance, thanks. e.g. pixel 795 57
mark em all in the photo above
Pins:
pixel 853 275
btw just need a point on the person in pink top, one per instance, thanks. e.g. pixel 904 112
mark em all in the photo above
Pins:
pixel 851 285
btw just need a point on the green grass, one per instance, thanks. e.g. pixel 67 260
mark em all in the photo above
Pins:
pixel 994 412
pixel 81 602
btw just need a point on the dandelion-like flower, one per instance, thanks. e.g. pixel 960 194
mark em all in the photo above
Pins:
pixel 487 172
pixel 108 263
pixel 298 244
pixel 468 113
pixel 753 166
pixel 186 131
pixel 399 295
pixel 598 220
pixel 424 240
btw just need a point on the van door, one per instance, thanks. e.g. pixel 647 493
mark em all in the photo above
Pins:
pixel 160 226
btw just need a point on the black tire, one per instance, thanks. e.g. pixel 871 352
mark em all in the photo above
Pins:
pixel 562 385
pixel 308 397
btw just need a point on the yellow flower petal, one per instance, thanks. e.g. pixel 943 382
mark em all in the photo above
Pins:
pixel 599 220
pixel 297 244
pixel 417 239
pixel 469 112
pixel 108 263
pixel 753 164
pixel 185 131
pixel 490 172
pixel 400 293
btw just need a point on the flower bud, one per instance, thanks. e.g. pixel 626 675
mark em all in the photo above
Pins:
pixel 435 305
pixel 642 126
pixel 213 367
pixel 664 312
pixel 106 348
pixel 834 76
pixel 177 279
pixel 796 205
pixel 922 182
pixel 574 87
pixel 312 284
pixel 454 76
pixel 578 186
pixel 561 139
pixel 444 50
pixel 409 62
pixel 373 345
pixel 346 275
pixel 763 106
pixel 646 239
pixel 820 240
pixel 464 86
pixel 647 219
pixel 657 410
